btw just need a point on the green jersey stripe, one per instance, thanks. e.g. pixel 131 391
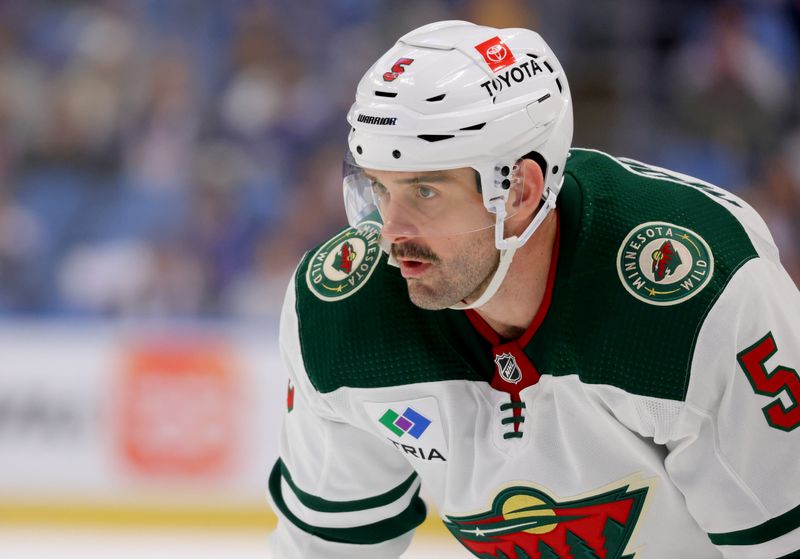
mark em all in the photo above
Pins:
pixel 323 505
pixel 374 533
pixel 765 532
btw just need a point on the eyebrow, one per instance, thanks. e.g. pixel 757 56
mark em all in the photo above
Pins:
pixel 435 176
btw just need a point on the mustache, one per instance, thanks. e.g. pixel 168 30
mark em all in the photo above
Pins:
pixel 413 251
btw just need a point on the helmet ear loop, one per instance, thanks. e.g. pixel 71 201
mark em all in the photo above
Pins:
pixel 512 187
pixel 517 185
pixel 548 203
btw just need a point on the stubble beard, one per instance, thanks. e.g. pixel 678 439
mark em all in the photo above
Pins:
pixel 463 276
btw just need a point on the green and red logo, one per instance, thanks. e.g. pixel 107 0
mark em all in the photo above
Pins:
pixel 344 258
pixel 342 265
pixel 664 264
pixel 525 523
pixel 665 261
pixel 289 397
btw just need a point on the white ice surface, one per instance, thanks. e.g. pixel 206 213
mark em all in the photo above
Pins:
pixel 72 543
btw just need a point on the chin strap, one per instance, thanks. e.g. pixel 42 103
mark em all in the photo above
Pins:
pixel 507 248
pixel 506 255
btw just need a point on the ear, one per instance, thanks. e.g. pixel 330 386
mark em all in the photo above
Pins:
pixel 525 195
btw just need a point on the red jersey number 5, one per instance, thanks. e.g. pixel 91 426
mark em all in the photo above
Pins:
pixel 772 383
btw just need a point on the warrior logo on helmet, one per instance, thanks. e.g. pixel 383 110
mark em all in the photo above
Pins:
pixel 527 522
pixel 663 263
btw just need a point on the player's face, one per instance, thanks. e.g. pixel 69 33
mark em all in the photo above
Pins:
pixel 440 233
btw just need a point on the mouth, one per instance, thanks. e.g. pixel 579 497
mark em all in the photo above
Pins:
pixel 411 269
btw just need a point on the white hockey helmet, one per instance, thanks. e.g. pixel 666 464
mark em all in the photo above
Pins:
pixel 453 94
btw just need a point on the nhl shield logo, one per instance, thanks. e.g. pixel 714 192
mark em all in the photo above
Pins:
pixel 508 368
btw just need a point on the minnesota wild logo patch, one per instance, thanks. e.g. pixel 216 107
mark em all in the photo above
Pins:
pixel 664 264
pixel 526 523
pixel 343 265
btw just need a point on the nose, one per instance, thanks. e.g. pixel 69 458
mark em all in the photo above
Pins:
pixel 397 226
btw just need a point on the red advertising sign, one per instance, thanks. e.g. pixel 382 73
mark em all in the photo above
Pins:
pixel 178 408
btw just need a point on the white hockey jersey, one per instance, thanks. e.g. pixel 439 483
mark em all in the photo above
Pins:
pixel 650 411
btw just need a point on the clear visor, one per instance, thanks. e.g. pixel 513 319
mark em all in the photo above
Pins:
pixel 427 203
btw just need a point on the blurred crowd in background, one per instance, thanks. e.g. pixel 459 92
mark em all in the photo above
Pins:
pixel 175 158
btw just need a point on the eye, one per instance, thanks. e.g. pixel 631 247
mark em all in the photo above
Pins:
pixel 426 193
pixel 378 189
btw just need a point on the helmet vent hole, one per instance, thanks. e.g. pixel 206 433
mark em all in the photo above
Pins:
pixel 475 126
pixel 434 137
pixel 547 65
pixel 506 184
pixel 555 169
pixel 385 94
pixel 359 150
pixel 396 154
pixel 436 98
pixel 558 83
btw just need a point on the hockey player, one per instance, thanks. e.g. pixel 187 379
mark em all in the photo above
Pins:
pixel 613 376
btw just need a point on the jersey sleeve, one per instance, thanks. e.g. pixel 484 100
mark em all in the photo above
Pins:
pixel 338 491
pixel 735 449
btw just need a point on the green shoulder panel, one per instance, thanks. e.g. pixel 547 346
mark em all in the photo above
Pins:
pixel 644 253
pixel 358 327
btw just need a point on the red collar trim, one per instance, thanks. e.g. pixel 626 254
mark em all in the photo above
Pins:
pixel 483 327
pixel 491 336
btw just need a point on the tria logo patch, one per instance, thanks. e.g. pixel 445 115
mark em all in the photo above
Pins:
pixel 410 422
pixel 496 54
pixel 664 264
pixel 527 522
pixel 507 368
pixel 343 265
pixel 416 432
